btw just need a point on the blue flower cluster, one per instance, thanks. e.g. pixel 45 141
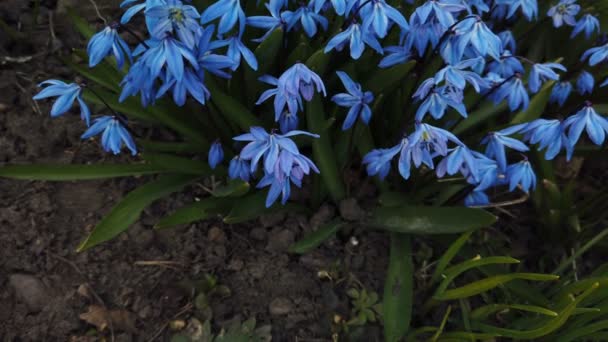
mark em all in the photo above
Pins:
pixel 185 46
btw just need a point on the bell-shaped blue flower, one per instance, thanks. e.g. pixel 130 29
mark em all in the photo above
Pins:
pixel 587 23
pixel 108 42
pixel 308 18
pixel 269 23
pixel 498 141
pixel 521 174
pixel 378 161
pixel 476 198
pixel 239 169
pixel 357 100
pixel 356 40
pixel 564 12
pixel 514 91
pixel 548 134
pixel 175 17
pixel 66 95
pixel 377 15
pixel 113 134
pixel 529 8
pixel 541 73
pixel 586 119
pixel 596 55
pixel 229 12
pixel 288 122
pixel 560 93
pixel 460 159
pixel 171 53
pixel 585 83
pixel 236 50
pixel 216 154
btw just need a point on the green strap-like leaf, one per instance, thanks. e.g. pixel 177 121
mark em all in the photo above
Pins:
pixel 487 310
pixel 398 289
pixel 196 211
pixel 266 54
pixel 252 206
pixel 385 80
pixel 178 164
pixel 127 211
pixel 230 108
pixel 234 188
pixel 430 220
pixel 447 257
pixel 537 105
pixel 316 238
pixel 77 172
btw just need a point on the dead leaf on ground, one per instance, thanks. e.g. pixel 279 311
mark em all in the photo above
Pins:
pixel 102 319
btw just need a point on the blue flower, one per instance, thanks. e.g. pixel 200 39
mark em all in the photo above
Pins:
pixel 209 61
pixel 528 7
pixel 508 41
pixel 236 49
pixel 521 174
pixel 239 169
pixel 497 141
pixel 549 134
pixel 288 122
pixel 473 32
pixel 216 154
pixel 596 55
pixel 457 76
pixel 506 65
pixel 560 93
pixel 397 54
pixel 170 53
pixel 377 15
pixel 356 40
pixel 307 17
pixel 338 5
pixel 133 10
pixel 108 42
pixel 460 158
pixel 476 198
pixel 269 23
pixel 514 91
pixel 438 99
pixel 564 12
pixel 294 84
pixel 66 95
pixel 229 12
pixel 588 119
pixel 488 174
pixel 378 161
pixel 425 30
pixel 356 99
pixel 139 79
pixel 585 83
pixel 174 16
pixel 541 73
pixel 113 134
pixel 588 24
pixel 192 83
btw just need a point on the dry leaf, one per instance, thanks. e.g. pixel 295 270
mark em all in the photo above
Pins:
pixel 102 318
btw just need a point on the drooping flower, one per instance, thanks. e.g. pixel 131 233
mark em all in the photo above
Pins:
pixel 476 198
pixel 473 33
pixel 377 15
pixel 108 42
pixel 378 161
pixel 560 93
pixel 498 141
pixel 229 12
pixel 541 73
pixel 356 39
pixel 269 23
pixel 564 12
pixel 585 83
pixel 521 174
pixel 586 119
pixel 548 134
pixel 338 5
pixel 173 16
pixel 588 24
pixel 236 50
pixel 308 18
pixel 357 100
pixel 529 8
pixel 113 134
pixel 288 122
pixel 171 53
pixel 596 55
pixel 239 168
pixel 514 91
pixel 506 65
pixel 66 95
pixel 216 154
pixel 460 158
pixel 457 75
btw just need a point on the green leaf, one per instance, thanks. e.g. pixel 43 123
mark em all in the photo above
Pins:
pixel 316 238
pixel 318 62
pixel 322 150
pixel 266 54
pixel 97 75
pixel 234 188
pixel 127 211
pixel 430 220
pixel 447 257
pixel 487 310
pixel 252 206
pixel 489 283
pixel 196 211
pixel 80 23
pixel 398 289
pixel 230 108
pixel 77 172
pixel 537 105
pixel 487 111
pixel 385 80
pixel 178 164
pixel 587 331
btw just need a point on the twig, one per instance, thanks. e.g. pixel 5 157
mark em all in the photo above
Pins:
pixel 105 22
pixel 185 309
pixel 175 265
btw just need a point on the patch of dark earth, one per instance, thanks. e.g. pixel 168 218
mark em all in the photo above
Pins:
pixel 47 289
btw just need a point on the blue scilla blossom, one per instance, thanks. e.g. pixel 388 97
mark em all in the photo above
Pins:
pixel 521 174
pixel 377 16
pixel 136 7
pixel 564 12
pixel 479 5
pixel 288 122
pixel 587 23
pixel 549 135
pixel 487 173
pixel 459 159
pixel 437 101
pixel 585 83
pixel 596 55
pixel 239 168
pixel 338 5
pixel 307 17
pixel 229 12
pixel 192 83
pixel 236 50
pixel 529 8
pixel 107 42
pixel 356 40
pixel 471 33
pixel 506 65
pixel 357 100
pixel 171 53
pixel 457 75
pixel 498 141
pixel 378 161
pixel 140 80
pixel 476 199
pixel 175 17
pixel 113 134
pixel 66 95
pixel 216 154
pixel 425 30
pixel 560 93
pixel 396 54
pixel 514 91
pixel 281 186
pixel 294 84
pixel 541 73
pixel 586 119
pixel 209 61
pixel 268 23
pixel 508 40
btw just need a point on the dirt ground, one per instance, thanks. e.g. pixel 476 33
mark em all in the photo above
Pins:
pixel 46 287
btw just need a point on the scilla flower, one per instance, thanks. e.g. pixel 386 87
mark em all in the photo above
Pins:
pixel 216 154
pixel 66 95
pixel 113 134
pixel 498 141
pixel 521 174
pixel 108 42
pixel 586 119
pixel 173 16
pixel 357 100
pixel 585 83
pixel 229 11
pixel 588 24
pixel 564 12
